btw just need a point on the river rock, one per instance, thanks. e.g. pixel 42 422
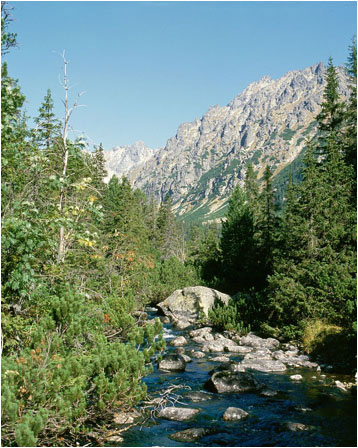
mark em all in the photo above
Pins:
pixel 198 354
pixel 190 434
pixel 172 362
pixel 187 304
pixel 219 345
pixel 293 426
pixel 178 414
pixel 220 359
pixel 256 342
pixel 180 350
pixel 238 349
pixel 267 392
pixel 340 386
pixel 200 332
pixel 122 418
pixel 186 358
pixel 232 414
pixel 179 341
pixel 259 354
pixel 203 339
pixel 182 324
pixel 114 439
pixel 263 365
pixel 226 381
pixel 196 397
pixel 296 377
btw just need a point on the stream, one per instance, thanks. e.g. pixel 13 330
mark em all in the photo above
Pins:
pixel 328 413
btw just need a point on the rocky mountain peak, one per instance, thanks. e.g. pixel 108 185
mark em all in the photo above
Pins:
pixel 267 124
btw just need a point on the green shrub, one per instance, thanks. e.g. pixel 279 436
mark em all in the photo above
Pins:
pixel 330 344
pixel 169 275
pixel 227 317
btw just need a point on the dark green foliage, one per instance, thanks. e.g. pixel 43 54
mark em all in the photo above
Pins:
pixel 48 128
pixel 169 236
pixel 72 351
pixel 167 276
pixel 227 317
pixel 237 244
pixel 330 117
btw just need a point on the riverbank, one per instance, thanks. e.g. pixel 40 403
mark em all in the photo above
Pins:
pixel 295 402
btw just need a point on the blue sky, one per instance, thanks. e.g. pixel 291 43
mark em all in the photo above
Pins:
pixel 146 67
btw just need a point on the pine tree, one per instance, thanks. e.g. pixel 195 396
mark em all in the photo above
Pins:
pixel 252 189
pixel 237 244
pixel 350 116
pixel 169 237
pixel 48 128
pixel 331 115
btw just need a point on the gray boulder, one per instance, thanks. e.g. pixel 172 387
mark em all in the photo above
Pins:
pixel 226 381
pixel 238 349
pixel 220 359
pixel 263 365
pixel 179 341
pixel 181 324
pixel 178 414
pixel 190 434
pixel 197 355
pixel 200 332
pixel 172 362
pixel 188 303
pixel 219 345
pixel 232 414
pixel 256 342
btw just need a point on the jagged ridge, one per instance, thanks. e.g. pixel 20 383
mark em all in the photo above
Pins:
pixel 267 124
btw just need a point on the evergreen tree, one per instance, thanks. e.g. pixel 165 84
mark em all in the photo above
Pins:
pixel 331 115
pixel 169 237
pixel 252 189
pixel 48 128
pixel 237 244
pixel 350 122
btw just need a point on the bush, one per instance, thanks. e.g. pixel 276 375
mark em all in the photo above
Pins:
pixel 227 317
pixel 169 275
pixel 330 344
pixel 74 369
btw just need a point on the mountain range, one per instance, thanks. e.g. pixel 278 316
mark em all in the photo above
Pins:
pixel 266 124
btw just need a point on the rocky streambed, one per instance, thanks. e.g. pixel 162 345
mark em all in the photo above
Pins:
pixel 214 389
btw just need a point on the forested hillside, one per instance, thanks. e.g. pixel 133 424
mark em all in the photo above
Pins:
pixel 294 275
pixel 81 259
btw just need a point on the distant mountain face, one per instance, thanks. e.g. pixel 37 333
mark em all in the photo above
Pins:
pixel 121 159
pixel 266 124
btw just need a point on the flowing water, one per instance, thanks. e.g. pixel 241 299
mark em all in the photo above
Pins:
pixel 329 414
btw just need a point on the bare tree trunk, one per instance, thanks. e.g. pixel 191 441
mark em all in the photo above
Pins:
pixel 61 244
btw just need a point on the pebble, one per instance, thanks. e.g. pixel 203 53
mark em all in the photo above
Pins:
pixel 296 377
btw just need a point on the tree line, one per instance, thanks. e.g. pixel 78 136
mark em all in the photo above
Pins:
pixel 294 272
pixel 80 260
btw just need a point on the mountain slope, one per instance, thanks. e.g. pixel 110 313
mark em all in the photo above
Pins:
pixel 267 124
pixel 121 159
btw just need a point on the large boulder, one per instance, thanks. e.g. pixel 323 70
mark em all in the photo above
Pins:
pixel 232 414
pixel 178 414
pixel 188 303
pixel 190 434
pixel 263 365
pixel 226 381
pixel 172 363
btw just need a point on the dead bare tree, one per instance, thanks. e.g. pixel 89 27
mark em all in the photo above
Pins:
pixel 65 152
